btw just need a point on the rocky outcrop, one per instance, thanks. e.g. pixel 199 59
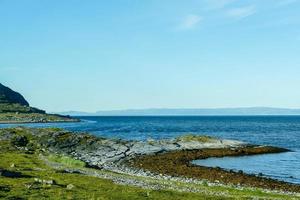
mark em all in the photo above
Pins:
pixel 103 153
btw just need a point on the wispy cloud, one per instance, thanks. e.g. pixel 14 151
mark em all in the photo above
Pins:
pixel 241 12
pixel 218 4
pixel 190 21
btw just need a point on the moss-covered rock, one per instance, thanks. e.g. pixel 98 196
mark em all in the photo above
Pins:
pixel 197 138
pixel 19 140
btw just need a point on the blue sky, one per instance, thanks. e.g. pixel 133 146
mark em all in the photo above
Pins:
pixel 102 55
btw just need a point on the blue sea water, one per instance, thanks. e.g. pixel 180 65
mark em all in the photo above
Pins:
pixel 281 131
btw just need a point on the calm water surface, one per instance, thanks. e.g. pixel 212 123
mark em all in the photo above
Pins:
pixel 282 131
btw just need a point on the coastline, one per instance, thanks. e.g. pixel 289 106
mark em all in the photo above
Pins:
pixel 26 118
pixel 136 163
pixel 37 122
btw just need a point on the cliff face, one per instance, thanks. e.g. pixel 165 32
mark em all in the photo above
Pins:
pixel 8 96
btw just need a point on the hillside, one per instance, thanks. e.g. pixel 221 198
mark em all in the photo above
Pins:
pixel 14 108
pixel 7 95
pixel 11 101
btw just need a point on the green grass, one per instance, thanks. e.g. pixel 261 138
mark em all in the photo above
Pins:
pixel 65 160
pixel 14 107
pixel 10 117
pixel 85 187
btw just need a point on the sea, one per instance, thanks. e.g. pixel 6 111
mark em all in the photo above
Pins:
pixel 280 131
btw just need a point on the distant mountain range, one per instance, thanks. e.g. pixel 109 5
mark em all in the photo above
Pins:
pixel 194 112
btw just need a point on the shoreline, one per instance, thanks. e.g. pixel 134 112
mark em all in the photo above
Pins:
pixel 27 118
pixel 168 159
pixel 179 163
pixel 38 122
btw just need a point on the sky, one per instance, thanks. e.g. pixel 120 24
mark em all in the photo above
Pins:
pixel 128 54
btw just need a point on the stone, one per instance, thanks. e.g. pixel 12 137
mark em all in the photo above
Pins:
pixel 47 182
pixel 70 186
pixel 19 141
pixel 10 174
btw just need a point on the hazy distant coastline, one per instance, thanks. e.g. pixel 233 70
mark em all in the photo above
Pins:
pixel 193 112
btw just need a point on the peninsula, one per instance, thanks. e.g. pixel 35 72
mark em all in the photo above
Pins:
pixel 14 108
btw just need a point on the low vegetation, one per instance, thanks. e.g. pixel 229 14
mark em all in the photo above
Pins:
pixel 32 118
pixel 66 160
pixel 17 108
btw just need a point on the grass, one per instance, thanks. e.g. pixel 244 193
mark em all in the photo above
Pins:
pixel 10 117
pixel 65 160
pixel 85 187
pixel 14 107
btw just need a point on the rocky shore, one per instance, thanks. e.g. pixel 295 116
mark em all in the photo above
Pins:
pixel 170 156
pixel 159 161
pixel 178 163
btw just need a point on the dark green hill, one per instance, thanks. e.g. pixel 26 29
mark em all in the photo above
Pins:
pixel 11 101
pixel 7 95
